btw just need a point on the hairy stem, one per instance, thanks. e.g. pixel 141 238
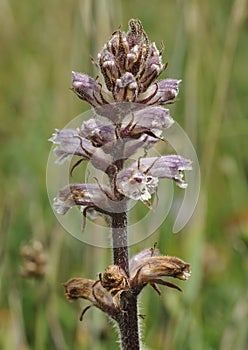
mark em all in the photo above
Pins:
pixel 128 323
pixel 120 240
pixel 128 319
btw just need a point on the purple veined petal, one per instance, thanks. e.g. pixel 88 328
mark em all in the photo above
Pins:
pixel 140 180
pixel 89 90
pixel 151 117
pixel 99 200
pixel 109 69
pixel 100 159
pixel 90 125
pixel 82 195
pixel 153 68
pixel 157 164
pixel 98 132
pixel 86 88
pixel 169 167
pixel 70 143
pixel 145 142
pixel 112 45
pixel 133 62
pixel 168 89
pixel 161 92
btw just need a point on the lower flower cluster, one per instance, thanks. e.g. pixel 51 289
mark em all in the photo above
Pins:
pixel 108 293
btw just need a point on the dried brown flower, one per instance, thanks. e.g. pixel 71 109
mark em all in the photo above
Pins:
pixel 146 267
pixel 92 291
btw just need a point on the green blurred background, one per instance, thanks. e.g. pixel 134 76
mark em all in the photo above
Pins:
pixel 206 46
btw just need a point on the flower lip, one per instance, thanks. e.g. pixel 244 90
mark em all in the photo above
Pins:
pixel 140 180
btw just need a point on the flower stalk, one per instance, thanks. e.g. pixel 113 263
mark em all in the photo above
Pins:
pixel 120 240
pixel 129 117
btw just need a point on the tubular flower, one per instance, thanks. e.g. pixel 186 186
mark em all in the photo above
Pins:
pixel 130 65
pixel 148 268
pixel 140 180
pixel 98 198
pixel 70 142
pixel 83 195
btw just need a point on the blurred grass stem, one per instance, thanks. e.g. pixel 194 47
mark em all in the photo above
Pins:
pixel 237 17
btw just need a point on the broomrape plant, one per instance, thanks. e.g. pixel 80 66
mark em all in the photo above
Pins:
pixel 128 118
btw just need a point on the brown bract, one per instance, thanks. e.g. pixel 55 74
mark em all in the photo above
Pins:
pixel 114 279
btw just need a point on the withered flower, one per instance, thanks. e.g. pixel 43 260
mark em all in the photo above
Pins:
pixel 114 279
pixel 148 270
pixel 108 293
pixel 92 291
pixel 103 293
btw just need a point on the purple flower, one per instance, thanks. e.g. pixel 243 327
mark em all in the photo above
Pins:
pixel 161 92
pixel 88 89
pixel 129 97
pixel 70 142
pixel 130 65
pixel 82 195
pixel 141 179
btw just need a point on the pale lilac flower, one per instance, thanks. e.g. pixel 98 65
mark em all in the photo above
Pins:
pixel 70 142
pixel 82 195
pixel 130 65
pixel 141 179
pixel 161 92
pixel 129 98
